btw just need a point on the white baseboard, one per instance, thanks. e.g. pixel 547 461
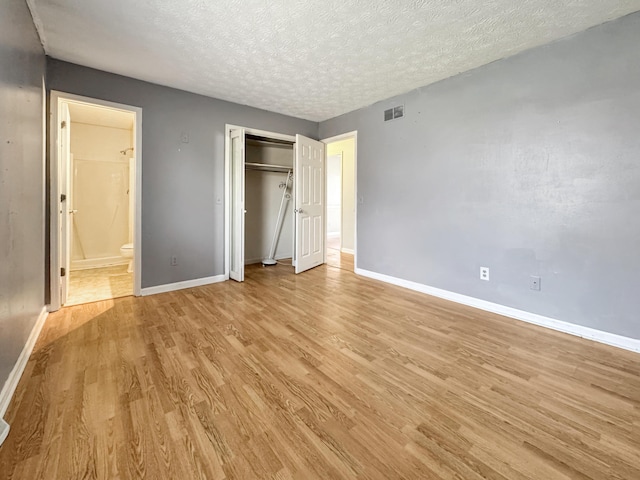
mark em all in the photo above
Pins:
pixel 613 339
pixel 170 287
pixel 89 263
pixel 348 250
pixel 14 377
pixel 4 430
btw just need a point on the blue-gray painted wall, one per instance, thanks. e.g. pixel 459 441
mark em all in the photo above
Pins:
pixel 22 264
pixel 529 165
pixel 180 181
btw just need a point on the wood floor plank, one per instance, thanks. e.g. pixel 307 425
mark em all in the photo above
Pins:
pixel 324 375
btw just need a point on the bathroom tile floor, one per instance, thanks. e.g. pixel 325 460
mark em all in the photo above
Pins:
pixel 96 284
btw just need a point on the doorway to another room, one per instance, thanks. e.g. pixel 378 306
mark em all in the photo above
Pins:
pixel 341 201
pixel 95 170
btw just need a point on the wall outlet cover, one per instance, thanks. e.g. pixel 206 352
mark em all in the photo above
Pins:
pixel 174 261
pixel 4 430
pixel 534 282
pixel 484 273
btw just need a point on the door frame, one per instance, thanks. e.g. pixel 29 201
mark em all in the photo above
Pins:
pixel 56 101
pixel 227 181
pixel 326 182
pixel 336 138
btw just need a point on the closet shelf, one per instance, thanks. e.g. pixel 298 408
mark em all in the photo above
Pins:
pixel 267 167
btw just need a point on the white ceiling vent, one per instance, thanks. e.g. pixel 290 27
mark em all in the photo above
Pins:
pixel 393 113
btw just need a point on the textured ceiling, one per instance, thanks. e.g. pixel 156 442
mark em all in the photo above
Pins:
pixel 310 59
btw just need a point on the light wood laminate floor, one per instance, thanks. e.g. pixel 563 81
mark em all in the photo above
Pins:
pixel 338 259
pixel 323 375
pixel 96 284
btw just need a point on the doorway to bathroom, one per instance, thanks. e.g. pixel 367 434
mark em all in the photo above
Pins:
pixel 95 197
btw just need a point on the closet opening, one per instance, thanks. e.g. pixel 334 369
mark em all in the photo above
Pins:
pixel 275 201
pixel 269 233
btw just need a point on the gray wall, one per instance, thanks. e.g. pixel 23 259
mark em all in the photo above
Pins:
pixel 22 69
pixel 529 165
pixel 180 181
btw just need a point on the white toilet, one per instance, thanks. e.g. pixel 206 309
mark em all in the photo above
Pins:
pixel 126 251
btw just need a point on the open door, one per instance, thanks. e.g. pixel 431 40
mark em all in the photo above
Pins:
pixel 309 201
pixel 64 209
pixel 236 268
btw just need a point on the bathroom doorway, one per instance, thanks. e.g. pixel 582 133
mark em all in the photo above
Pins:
pixel 94 226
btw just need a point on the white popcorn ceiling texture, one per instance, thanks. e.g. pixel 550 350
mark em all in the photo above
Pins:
pixel 309 59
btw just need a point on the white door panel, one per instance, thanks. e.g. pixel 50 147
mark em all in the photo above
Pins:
pixel 309 184
pixel 236 270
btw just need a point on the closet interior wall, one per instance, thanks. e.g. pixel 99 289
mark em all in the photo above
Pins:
pixel 262 201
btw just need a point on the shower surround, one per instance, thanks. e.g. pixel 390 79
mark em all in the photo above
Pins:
pixel 100 195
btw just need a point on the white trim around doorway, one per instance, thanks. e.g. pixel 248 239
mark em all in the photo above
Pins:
pixel 57 99
pixel 227 181
pixel 337 138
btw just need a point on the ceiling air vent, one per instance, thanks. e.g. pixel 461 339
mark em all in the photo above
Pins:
pixel 393 113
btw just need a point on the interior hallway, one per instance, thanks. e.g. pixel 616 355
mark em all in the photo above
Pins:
pixel 325 375
pixel 336 258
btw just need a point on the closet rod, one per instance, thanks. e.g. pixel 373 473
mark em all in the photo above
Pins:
pixel 267 167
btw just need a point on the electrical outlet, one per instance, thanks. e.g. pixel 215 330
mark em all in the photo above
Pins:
pixel 184 137
pixel 534 282
pixel 174 261
pixel 360 199
pixel 218 200
pixel 484 273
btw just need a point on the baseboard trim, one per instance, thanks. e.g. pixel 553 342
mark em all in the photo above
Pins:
pixel 171 287
pixel 607 338
pixel 91 263
pixel 14 377
pixel 4 431
pixel 347 250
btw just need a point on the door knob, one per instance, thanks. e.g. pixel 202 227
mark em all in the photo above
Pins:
pixel 73 211
pixel 298 210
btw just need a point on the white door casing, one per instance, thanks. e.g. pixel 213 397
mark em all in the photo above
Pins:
pixel 56 170
pixel 236 270
pixel 309 203
pixel 64 201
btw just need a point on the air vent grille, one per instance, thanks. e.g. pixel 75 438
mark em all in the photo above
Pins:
pixel 394 113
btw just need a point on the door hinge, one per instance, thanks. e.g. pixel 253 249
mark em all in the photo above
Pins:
pixel 63 272
pixel 63 197
pixel 63 124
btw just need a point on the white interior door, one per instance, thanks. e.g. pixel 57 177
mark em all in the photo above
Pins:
pixel 236 268
pixel 309 182
pixel 65 200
